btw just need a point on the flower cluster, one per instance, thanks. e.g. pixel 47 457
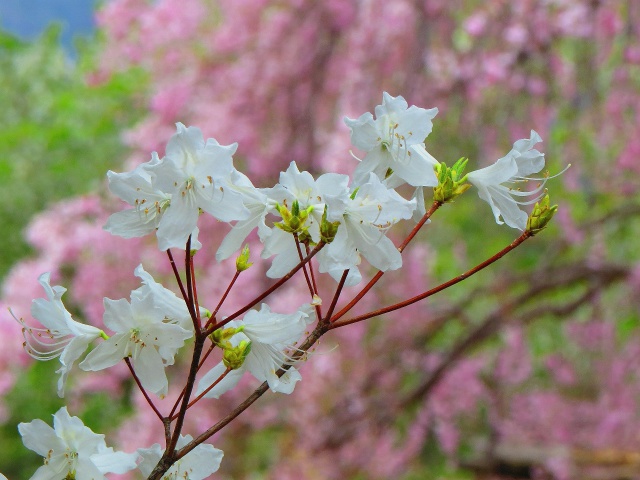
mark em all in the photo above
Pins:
pixel 338 219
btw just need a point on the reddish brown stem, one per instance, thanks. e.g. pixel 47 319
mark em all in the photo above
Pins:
pixel 304 268
pixel 191 379
pixel 437 289
pixel 202 360
pixel 192 402
pixel 189 299
pixel 336 295
pixel 196 304
pixel 267 292
pixel 435 206
pixel 177 275
pixel 224 297
pixel 142 389
pixel 313 277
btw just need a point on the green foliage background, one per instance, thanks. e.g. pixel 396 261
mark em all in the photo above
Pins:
pixel 58 134
pixel 58 137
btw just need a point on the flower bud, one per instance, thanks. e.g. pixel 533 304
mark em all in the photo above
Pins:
pixel 541 215
pixel 221 337
pixel 234 357
pixel 328 229
pixel 293 221
pixel 242 262
pixel 451 183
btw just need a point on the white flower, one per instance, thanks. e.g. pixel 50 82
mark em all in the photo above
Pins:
pixel 369 213
pixel 198 464
pixel 511 169
pixel 197 175
pixel 61 336
pixel 175 309
pixel 329 190
pixel 271 336
pixel 72 450
pixel 388 141
pixel 258 204
pixel 142 335
pixel 149 203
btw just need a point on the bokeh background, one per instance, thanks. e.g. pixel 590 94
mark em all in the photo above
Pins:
pixel 527 370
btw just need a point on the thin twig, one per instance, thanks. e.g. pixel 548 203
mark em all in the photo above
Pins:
pixel 177 275
pixel 224 296
pixel 304 268
pixel 196 305
pixel 439 288
pixel 435 206
pixel 267 292
pixel 208 389
pixel 142 389
pixel 336 295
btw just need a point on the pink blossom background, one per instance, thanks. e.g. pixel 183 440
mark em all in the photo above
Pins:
pixel 534 363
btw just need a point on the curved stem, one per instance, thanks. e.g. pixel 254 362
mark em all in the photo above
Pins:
pixel 320 330
pixel 437 289
pixel 267 292
pixel 435 206
pixel 142 389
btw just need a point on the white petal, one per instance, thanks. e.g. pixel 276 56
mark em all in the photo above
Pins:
pixel 40 437
pixel 107 354
pixel 114 462
pixel 117 314
pixel 287 382
pixel 150 370
pixel 364 134
pixel 178 222
pixel 132 223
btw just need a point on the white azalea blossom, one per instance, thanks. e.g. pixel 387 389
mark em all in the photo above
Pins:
pixel 371 211
pixel 197 175
pixel 72 450
pixel 198 464
pixel 388 141
pixel 271 336
pixel 259 205
pixel 142 335
pixel 498 183
pixel 137 189
pixel 329 190
pixel 167 194
pixel 175 309
pixel 61 336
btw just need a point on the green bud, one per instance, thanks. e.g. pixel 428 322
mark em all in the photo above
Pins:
pixel 234 357
pixel 304 237
pixel 541 215
pixel 328 229
pixel 221 336
pixel 242 262
pixel 293 221
pixel 295 209
pixel 451 183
